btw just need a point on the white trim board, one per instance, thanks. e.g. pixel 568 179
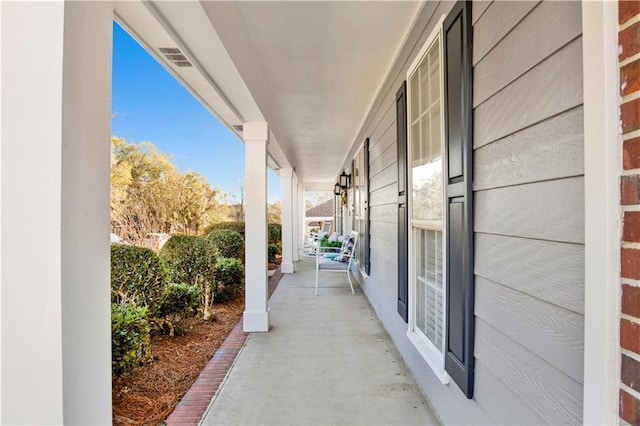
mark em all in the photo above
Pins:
pixel 602 146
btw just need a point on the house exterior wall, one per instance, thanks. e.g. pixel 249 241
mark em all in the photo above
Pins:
pixel 629 63
pixel 381 284
pixel 529 214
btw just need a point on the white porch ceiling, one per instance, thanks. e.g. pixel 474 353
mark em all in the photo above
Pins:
pixel 311 68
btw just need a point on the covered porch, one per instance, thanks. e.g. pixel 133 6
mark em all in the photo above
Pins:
pixel 314 89
pixel 293 114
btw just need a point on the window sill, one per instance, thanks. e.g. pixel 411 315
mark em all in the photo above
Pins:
pixel 434 361
pixel 361 271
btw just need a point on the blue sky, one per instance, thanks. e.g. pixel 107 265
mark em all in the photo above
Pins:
pixel 148 104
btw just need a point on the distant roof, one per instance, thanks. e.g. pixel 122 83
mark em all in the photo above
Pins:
pixel 321 210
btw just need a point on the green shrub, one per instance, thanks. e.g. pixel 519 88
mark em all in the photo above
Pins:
pixel 229 243
pixel 233 226
pixel 138 276
pixel 273 251
pixel 179 299
pixel 190 259
pixel 275 233
pixel 324 242
pixel 130 339
pixel 229 273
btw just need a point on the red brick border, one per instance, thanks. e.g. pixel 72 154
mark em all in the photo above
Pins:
pixel 197 399
pixel 629 43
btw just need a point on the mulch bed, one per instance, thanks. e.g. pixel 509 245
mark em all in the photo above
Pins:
pixel 149 393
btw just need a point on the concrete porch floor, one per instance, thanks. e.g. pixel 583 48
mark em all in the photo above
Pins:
pixel 326 360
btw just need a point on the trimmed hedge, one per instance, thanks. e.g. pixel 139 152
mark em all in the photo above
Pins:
pixel 180 299
pixel 272 251
pixel 229 274
pixel 228 242
pixel 138 276
pixel 274 231
pixel 233 226
pixel 191 259
pixel 130 339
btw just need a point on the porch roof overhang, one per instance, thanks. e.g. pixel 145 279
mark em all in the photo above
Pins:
pixel 311 69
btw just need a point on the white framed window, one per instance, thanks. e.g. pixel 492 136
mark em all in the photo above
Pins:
pixel 425 163
pixel 358 177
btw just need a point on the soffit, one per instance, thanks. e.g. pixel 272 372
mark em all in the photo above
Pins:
pixel 314 69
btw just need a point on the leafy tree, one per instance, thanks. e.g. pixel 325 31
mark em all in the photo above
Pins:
pixel 314 198
pixel 149 194
pixel 274 212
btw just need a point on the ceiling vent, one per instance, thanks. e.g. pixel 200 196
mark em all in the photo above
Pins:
pixel 175 56
pixel 238 127
pixel 168 50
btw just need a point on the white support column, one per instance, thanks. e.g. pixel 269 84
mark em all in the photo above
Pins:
pixel 301 217
pixel 297 230
pixel 256 314
pixel 56 328
pixel 602 156
pixel 286 181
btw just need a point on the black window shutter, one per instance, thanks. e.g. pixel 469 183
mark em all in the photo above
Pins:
pixel 367 227
pixel 403 222
pixel 459 209
pixel 352 202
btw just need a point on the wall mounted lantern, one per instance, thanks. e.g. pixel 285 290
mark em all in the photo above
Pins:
pixel 341 187
pixel 345 180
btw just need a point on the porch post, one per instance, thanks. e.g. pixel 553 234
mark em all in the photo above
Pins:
pixel 256 314
pixel 295 223
pixel 302 212
pixel 286 180
pixel 56 328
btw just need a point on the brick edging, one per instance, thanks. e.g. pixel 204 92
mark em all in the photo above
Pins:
pixel 195 402
pixel 629 320
pixel 274 280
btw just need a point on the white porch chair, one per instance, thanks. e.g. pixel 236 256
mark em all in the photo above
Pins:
pixel 310 245
pixel 337 259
